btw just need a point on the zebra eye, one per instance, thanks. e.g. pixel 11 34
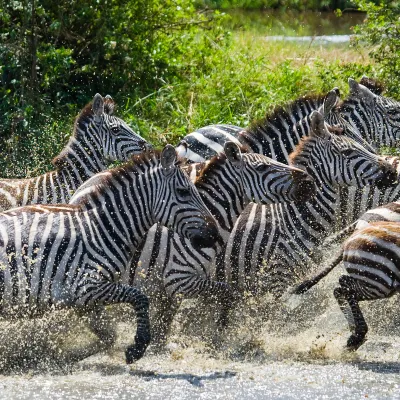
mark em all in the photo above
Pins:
pixel 115 129
pixel 183 192
pixel 392 111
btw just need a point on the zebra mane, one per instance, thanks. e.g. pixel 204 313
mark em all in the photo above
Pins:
pixel 281 112
pixel 101 181
pixel 214 163
pixel 82 121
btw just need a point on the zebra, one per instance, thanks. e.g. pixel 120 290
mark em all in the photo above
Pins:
pixel 252 242
pixel 183 270
pixel 279 238
pixel 371 257
pixel 365 115
pixel 226 184
pixel 98 137
pixel 366 112
pixel 78 254
pixel 388 212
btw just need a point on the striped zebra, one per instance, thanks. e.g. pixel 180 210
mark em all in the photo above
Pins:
pixel 98 137
pixel 226 184
pixel 365 115
pixel 371 257
pixel 280 239
pixel 262 235
pixel 365 112
pixel 389 213
pixel 185 271
pixel 78 254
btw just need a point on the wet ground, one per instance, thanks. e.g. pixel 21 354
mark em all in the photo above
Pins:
pixel 287 350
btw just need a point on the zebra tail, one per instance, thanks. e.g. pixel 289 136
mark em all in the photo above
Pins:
pixel 341 235
pixel 308 284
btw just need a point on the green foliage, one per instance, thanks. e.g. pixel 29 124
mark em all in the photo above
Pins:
pixel 55 55
pixel 381 31
pixel 170 67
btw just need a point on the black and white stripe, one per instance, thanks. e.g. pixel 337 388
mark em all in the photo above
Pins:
pixel 79 254
pixel 365 115
pixel 280 239
pixel 98 138
pixel 226 184
pixel 371 257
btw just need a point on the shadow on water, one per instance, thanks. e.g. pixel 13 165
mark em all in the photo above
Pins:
pixel 148 375
pixel 378 367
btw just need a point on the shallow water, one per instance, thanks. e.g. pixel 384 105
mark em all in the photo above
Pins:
pixel 282 350
pixel 293 23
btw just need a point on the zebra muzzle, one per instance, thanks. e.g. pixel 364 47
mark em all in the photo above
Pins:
pixel 205 237
pixel 304 185
pixel 389 177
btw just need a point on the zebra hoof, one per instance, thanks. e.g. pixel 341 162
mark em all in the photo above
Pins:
pixel 136 352
pixel 354 342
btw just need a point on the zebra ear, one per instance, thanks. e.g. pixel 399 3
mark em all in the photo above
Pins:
pixel 361 91
pixel 182 148
pixel 318 125
pixel 331 99
pixel 168 158
pixel 98 105
pixel 233 153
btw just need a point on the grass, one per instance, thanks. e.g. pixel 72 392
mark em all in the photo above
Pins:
pixel 241 82
pixel 244 83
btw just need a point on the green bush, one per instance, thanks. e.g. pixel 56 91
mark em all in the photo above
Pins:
pixel 381 31
pixel 55 55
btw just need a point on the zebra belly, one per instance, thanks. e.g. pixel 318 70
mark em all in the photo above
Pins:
pixel 265 252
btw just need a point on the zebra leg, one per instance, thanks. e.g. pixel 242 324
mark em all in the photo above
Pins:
pixel 167 308
pixel 112 293
pixel 348 297
pixel 223 295
pixel 102 326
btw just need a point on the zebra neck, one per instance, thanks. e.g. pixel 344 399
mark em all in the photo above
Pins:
pixel 277 136
pixel 80 160
pixel 225 202
pixel 318 214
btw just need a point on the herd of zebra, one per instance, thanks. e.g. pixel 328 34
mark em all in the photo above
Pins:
pixel 228 210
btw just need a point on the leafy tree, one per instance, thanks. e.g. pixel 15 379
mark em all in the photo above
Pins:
pixel 381 31
pixel 61 52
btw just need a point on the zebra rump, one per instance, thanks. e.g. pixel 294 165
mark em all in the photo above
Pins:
pixel 371 257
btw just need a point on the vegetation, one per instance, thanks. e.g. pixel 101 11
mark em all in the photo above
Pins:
pixel 381 33
pixel 281 4
pixel 170 67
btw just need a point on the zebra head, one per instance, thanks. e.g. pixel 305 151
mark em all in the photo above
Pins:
pixel 376 115
pixel 339 160
pixel 267 181
pixel 177 204
pixel 337 122
pixel 116 139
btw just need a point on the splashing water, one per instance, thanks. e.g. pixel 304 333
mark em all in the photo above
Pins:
pixel 282 350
